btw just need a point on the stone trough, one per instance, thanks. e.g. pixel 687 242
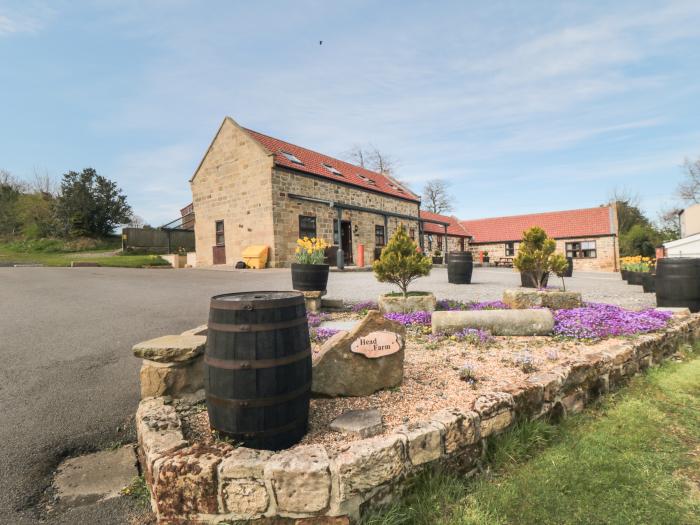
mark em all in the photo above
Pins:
pixel 497 322
pixel 313 484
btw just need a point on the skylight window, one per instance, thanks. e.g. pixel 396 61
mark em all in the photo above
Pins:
pixel 333 170
pixel 292 157
pixel 367 179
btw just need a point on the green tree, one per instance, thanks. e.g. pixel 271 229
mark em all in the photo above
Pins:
pixel 401 262
pixel 36 211
pixel 90 204
pixel 640 239
pixel 536 256
pixel 9 221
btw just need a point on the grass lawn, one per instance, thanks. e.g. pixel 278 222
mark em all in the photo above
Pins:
pixel 632 459
pixel 55 253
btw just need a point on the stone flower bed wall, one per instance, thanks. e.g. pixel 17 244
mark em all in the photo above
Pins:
pixel 304 485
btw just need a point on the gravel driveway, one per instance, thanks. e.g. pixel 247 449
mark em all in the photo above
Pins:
pixel 68 381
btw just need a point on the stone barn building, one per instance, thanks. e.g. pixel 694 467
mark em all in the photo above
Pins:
pixel 253 189
pixel 448 237
pixel 588 235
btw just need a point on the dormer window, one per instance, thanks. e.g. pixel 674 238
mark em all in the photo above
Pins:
pixel 332 169
pixel 291 157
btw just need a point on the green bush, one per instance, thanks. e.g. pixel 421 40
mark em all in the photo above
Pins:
pixel 401 263
pixel 536 256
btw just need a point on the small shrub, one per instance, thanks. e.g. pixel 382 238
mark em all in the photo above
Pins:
pixel 401 263
pixel 536 256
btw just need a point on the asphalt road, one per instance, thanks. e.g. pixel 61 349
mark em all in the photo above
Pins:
pixel 68 381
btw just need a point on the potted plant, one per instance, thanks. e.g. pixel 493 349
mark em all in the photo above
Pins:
pixel 536 259
pixel 401 263
pixel 485 258
pixel 437 257
pixel 309 273
pixel 635 268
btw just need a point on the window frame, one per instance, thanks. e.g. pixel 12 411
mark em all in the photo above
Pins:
pixel 305 228
pixel 379 236
pixel 509 249
pixel 586 249
pixel 218 233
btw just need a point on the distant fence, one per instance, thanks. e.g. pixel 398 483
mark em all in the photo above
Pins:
pixel 157 241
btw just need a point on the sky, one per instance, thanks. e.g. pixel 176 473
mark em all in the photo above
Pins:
pixel 521 106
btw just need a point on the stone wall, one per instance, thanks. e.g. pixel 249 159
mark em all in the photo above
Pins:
pixel 286 212
pixel 233 184
pixel 305 484
pixel 606 260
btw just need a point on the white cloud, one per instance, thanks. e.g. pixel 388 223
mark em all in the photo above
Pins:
pixel 30 19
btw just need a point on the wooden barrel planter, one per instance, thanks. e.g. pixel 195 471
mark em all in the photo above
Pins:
pixel 678 282
pixel 648 283
pixel 460 266
pixel 569 267
pixel 309 277
pixel 527 280
pixel 257 368
pixel 635 278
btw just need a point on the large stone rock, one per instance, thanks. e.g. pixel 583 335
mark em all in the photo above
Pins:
pixel 495 411
pixel 171 348
pixel 425 302
pixel 242 483
pixel 459 429
pixel 359 423
pixel 199 330
pixel 424 442
pixel 556 300
pixel 186 481
pixel 95 477
pixel 300 479
pixel 369 463
pixel 159 431
pixel 498 322
pixel 171 379
pixel 340 371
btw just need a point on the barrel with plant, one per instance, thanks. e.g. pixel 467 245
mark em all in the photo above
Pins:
pixel 309 272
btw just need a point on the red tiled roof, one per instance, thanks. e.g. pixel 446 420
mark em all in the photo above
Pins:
pixel 557 224
pixel 313 162
pixel 454 228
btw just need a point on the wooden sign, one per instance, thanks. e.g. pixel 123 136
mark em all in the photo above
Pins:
pixel 376 344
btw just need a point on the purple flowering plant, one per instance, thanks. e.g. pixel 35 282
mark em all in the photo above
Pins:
pixel 315 320
pixel 471 336
pixel 364 307
pixel 320 335
pixel 410 318
pixel 598 321
pixel 452 305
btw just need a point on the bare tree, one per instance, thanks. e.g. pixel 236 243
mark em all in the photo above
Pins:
pixel 689 189
pixel 668 223
pixel 9 180
pixel 44 183
pixel 136 221
pixel 371 158
pixel 436 196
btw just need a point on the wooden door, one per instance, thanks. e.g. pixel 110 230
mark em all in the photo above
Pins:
pixel 346 240
pixel 219 254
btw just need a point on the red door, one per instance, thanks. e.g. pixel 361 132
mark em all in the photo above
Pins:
pixel 219 251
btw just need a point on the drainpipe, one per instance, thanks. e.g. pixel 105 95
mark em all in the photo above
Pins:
pixel 340 256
